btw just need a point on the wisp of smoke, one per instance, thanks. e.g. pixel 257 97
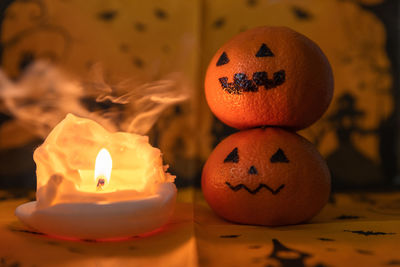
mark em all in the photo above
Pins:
pixel 44 94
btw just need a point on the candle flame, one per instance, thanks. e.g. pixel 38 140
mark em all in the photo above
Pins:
pixel 102 169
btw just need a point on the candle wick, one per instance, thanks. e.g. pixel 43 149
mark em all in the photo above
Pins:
pixel 100 183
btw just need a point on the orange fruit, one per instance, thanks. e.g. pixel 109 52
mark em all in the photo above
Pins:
pixel 266 177
pixel 269 76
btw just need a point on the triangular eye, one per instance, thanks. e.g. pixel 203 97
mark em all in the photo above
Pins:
pixel 223 59
pixel 264 51
pixel 279 156
pixel 233 156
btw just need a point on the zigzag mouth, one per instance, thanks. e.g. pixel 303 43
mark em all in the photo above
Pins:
pixel 255 191
pixel 241 84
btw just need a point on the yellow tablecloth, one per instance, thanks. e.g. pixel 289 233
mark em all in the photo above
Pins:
pixel 358 229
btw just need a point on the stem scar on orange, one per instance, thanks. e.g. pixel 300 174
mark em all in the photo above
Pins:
pixel 269 76
pixel 266 177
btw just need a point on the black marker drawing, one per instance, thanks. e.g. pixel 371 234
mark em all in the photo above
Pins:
pixel 242 84
pixel 255 191
pixel 279 156
pixel 233 156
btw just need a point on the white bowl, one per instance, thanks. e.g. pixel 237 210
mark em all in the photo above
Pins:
pixel 102 221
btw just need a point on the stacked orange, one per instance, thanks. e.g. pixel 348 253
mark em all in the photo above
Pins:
pixel 268 82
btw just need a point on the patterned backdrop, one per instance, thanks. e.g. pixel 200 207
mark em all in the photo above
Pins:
pixel 150 39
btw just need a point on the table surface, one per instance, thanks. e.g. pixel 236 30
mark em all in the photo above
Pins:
pixel 353 229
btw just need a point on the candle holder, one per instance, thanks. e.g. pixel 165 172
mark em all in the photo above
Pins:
pixel 102 221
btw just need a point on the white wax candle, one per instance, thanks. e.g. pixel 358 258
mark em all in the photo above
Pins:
pixel 93 184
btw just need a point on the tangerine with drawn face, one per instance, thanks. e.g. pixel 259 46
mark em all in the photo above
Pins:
pixel 266 177
pixel 269 76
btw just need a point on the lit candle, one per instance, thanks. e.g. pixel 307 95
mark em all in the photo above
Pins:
pixel 102 169
pixel 93 184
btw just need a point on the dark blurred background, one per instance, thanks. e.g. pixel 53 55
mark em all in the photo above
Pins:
pixel 358 135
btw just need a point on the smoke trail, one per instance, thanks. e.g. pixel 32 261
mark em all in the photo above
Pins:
pixel 44 94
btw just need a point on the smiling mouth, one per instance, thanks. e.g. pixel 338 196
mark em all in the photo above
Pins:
pixel 255 191
pixel 241 84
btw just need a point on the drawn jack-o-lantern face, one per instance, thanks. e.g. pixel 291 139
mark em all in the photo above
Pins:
pixel 266 177
pixel 241 83
pixel 269 76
